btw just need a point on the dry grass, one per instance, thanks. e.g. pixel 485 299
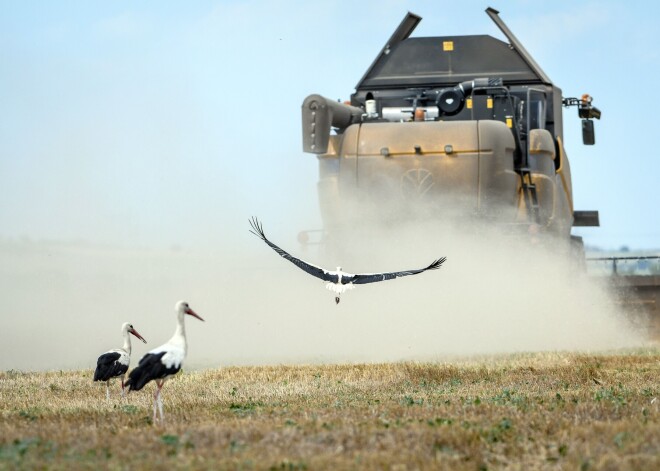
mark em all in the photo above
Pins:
pixel 540 411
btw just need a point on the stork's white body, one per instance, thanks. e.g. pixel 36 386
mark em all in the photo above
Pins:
pixel 164 361
pixel 124 353
pixel 337 287
pixel 175 348
pixel 114 363
pixel 124 360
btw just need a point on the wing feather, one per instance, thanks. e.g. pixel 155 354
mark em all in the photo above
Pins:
pixel 364 278
pixel 110 365
pixel 257 229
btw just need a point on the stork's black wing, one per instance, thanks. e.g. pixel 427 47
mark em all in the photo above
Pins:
pixel 313 270
pixel 108 367
pixel 150 367
pixel 364 278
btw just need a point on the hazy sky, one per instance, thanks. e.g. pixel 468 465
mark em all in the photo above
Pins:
pixel 141 127
pixel 164 124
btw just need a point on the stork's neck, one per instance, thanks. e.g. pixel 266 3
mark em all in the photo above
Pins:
pixel 179 337
pixel 127 342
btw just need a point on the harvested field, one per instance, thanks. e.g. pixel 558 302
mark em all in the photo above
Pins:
pixel 532 411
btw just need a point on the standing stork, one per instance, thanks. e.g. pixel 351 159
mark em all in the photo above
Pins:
pixel 114 363
pixel 338 281
pixel 164 361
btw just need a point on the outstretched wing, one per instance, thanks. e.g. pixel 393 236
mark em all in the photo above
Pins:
pixel 318 272
pixel 364 278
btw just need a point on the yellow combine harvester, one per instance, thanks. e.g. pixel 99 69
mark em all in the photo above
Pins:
pixel 469 125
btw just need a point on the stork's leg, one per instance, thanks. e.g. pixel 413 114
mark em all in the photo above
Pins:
pixel 160 410
pixel 158 402
pixel 107 390
pixel 123 389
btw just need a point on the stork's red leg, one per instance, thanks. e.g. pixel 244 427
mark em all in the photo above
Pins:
pixel 158 402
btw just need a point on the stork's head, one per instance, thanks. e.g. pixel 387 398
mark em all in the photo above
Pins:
pixel 128 327
pixel 182 307
pixel 131 330
pixel 338 269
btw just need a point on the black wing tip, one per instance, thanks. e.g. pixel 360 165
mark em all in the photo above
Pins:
pixel 436 263
pixel 257 228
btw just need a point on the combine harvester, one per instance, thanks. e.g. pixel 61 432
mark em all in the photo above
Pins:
pixel 464 124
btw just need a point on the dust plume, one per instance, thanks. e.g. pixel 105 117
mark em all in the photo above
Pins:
pixel 496 293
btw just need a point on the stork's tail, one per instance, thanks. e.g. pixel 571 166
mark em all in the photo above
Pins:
pixel 144 372
pixel 137 379
pixel 337 288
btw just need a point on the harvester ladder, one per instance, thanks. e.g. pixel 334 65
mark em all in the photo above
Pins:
pixel 529 192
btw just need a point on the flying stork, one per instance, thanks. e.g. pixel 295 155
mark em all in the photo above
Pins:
pixel 338 280
pixel 164 361
pixel 114 363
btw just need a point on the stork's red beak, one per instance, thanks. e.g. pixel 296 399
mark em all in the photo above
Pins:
pixel 135 332
pixel 194 314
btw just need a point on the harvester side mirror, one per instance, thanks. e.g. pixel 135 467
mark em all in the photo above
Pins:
pixel 588 113
pixel 588 135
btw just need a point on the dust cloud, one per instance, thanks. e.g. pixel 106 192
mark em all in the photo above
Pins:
pixel 496 293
